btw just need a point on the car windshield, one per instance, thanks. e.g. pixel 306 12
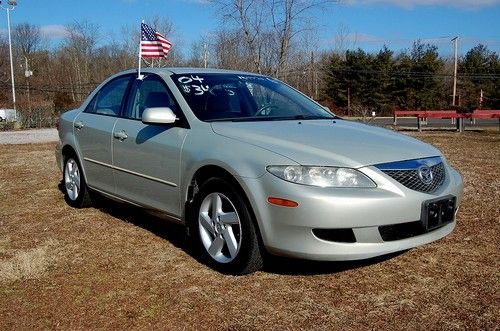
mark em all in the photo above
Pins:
pixel 235 97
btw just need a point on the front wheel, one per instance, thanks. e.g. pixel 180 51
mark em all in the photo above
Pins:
pixel 224 230
pixel 76 192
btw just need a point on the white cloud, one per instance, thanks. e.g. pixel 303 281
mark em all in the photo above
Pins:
pixel 53 31
pixel 358 37
pixel 467 4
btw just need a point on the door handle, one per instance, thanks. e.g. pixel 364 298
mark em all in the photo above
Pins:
pixel 120 135
pixel 78 125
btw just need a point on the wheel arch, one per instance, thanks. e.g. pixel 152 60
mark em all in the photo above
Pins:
pixel 69 150
pixel 203 174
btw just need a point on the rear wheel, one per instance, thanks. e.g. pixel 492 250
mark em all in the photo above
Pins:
pixel 76 192
pixel 224 230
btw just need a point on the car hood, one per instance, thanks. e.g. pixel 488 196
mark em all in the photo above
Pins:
pixel 327 142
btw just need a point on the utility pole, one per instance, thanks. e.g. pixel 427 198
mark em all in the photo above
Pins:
pixel 460 121
pixel 28 73
pixel 455 40
pixel 11 5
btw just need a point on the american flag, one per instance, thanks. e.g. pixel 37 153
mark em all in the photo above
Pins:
pixel 153 44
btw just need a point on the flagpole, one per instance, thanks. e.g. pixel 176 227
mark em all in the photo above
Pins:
pixel 139 76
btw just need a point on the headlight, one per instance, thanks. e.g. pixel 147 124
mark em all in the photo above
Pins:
pixel 322 176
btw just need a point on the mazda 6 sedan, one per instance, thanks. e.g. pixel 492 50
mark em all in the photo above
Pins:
pixel 250 165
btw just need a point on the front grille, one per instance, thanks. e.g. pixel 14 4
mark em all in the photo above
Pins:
pixel 411 177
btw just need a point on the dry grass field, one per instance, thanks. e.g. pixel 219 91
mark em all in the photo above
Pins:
pixel 116 267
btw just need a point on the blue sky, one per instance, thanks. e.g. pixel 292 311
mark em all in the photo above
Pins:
pixel 368 23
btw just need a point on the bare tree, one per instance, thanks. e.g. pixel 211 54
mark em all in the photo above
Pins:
pixel 197 55
pixel 269 24
pixel 343 40
pixel 80 46
pixel 129 44
pixel 27 37
pixel 301 70
pixel 249 16
pixel 203 51
pixel 4 71
pixel 166 28
pixel 363 111
pixel 229 50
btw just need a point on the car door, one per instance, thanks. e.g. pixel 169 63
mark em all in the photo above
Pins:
pixel 93 129
pixel 146 157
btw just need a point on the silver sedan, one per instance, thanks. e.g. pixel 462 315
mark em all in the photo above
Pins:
pixel 248 164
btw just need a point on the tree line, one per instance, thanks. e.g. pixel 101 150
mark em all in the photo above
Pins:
pixel 416 79
pixel 276 38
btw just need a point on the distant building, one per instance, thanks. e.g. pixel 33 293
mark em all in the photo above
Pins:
pixel 7 115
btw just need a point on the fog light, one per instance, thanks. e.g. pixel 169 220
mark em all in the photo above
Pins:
pixel 282 202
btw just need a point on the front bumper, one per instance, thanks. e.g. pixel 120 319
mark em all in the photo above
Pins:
pixel 289 231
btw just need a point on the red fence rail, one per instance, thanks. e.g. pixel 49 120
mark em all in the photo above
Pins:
pixel 444 114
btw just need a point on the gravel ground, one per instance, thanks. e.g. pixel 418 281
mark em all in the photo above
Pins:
pixel 29 136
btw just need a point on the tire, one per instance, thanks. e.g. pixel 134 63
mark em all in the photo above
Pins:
pixel 76 192
pixel 227 240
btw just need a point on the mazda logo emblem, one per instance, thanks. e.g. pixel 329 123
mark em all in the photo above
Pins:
pixel 425 174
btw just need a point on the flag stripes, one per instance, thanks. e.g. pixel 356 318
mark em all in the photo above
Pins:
pixel 153 44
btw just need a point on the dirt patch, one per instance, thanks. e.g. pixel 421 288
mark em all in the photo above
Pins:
pixel 116 267
pixel 26 264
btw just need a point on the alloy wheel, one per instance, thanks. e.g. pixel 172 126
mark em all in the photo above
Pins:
pixel 219 227
pixel 72 180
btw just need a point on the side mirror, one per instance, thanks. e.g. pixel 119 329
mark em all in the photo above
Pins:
pixel 158 115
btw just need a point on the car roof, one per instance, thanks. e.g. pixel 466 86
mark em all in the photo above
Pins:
pixel 188 70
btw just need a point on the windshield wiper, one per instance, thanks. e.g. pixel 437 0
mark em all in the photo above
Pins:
pixel 254 119
pixel 272 118
pixel 239 119
pixel 315 117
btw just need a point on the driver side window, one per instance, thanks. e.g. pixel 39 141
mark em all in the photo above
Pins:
pixel 108 100
pixel 149 93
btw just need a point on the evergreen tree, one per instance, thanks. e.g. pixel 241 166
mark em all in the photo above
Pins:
pixel 334 87
pixel 359 77
pixel 480 70
pixel 417 83
pixel 381 86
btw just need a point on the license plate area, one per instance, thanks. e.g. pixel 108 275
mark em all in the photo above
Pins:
pixel 438 212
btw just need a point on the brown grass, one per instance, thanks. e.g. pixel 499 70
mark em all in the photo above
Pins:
pixel 25 264
pixel 117 267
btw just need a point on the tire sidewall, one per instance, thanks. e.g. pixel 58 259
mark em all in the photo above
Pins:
pixel 249 241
